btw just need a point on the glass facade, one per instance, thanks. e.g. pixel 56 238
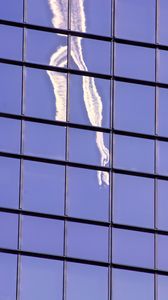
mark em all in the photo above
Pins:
pixel 83 149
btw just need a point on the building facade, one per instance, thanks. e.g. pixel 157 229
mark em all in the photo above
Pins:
pixel 83 149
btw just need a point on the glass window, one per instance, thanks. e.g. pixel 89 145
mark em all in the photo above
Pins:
pixel 162 22
pixel 86 17
pixel 11 10
pixel 132 285
pixel 135 20
pixel 10 35
pixel 138 249
pixel 8 271
pixel 49 232
pixel 46 48
pixel 9 234
pixel 162 62
pixel 162 110
pixel 89 101
pixel 98 151
pixel 135 62
pixel 9 182
pixel 89 281
pixel 41 279
pixel 10 88
pixel 44 140
pixel 162 158
pixel 134 107
pixel 95 237
pixel 45 94
pixel 47 13
pixel 162 250
pixel 136 154
pixel 43 187
pixel 162 209
pixel 162 287
pixel 10 131
pixel 133 200
pixel 84 55
pixel 86 198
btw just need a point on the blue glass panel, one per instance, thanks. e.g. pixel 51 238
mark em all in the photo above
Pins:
pixel 89 281
pixel 133 248
pixel 86 198
pixel 134 107
pixel 44 140
pixel 9 234
pixel 46 48
pixel 45 94
pixel 162 22
pixel 10 88
pixel 162 158
pixel 135 20
pixel 86 17
pixel 8 271
pixel 135 62
pixel 133 200
pixel 43 187
pixel 50 235
pixel 87 241
pixel 11 10
pixel 136 154
pixel 162 250
pixel 10 35
pixel 162 287
pixel 82 57
pixel 41 279
pixel 91 105
pixel 162 62
pixel 132 285
pixel 162 121
pixel 162 209
pixel 10 131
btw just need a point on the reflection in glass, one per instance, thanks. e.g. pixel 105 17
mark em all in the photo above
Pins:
pixel 162 158
pixel 10 35
pixel 89 281
pixel 132 285
pixel 162 62
pixel 11 10
pixel 162 111
pixel 133 248
pixel 43 187
pixel 9 230
pixel 41 279
pixel 8 272
pixel 133 200
pixel 162 208
pixel 10 130
pixel 162 250
pixel 162 22
pixel 162 287
pixel 85 197
pixel 87 241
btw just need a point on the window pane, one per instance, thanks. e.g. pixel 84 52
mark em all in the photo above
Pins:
pixel 10 88
pixel 89 281
pixel 135 20
pixel 10 131
pixel 44 140
pixel 162 62
pixel 133 200
pixel 89 101
pixel 8 271
pixel 9 234
pixel 82 57
pixel 138 249
pixel 49 232
pixel 85 197
pixel 162 241
pixel 162 209
pixel 98 151
pixel 43 187
pixel 95 237
pixel 162 28
pixel 162 287
pixel 132 285
pixel 47 13
pixel 9 177
pixel 86 17
pixel 136 154
pixel 135 62
pixel 46 48
pixel 162 124
pixel 10 35
pixel 162 158
pixel 41 279
pixel 45 94
pixel 134 107
pixel 11 10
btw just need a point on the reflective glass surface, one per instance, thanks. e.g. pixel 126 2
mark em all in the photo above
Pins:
pixel 162 22
pixel 10 131
pixel 8 272
pixel 162 57
pixel 9 230
pixel 162 287
pixel 162 241
pixel 162 204
pixel 11 10
pixel 162 124
pixel 10 35
pixel 162 159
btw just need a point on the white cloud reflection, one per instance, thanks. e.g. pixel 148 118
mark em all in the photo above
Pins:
pixel 92 99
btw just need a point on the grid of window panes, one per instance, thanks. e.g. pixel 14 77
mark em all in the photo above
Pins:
pixel 83 149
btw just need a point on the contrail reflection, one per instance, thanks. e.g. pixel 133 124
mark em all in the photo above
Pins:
pixel 92 99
